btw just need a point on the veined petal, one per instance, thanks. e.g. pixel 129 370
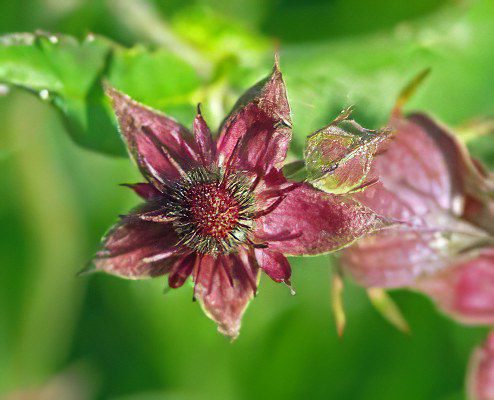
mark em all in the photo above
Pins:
pixel 429 163
pixel 400 206
pixel 224 287
pixel 161 147
pixel 392 258
pixel 466 289
pixel 477 185
pixel 480 375
pixel 274 264
pixel 468 174
pixel 318 222
pixel 428 181
pixel 257 132
pixel 398 256
pixel 144 190
pixel 205 145
pixel 181 270
pixel 272 181
pixel 416 162
pixel 137 249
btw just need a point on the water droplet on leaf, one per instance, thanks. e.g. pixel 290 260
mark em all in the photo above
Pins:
pixel 44 94
pixel 4 90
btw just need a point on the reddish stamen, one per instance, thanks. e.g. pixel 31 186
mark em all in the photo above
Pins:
pixel 214 211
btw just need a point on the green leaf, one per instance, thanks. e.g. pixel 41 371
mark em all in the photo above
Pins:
pixel 322 77
pixel 69 73
pixel 51 62
pixel 158 79
pixel 64 72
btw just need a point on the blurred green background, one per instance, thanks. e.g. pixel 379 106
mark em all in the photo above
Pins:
pixel 67 337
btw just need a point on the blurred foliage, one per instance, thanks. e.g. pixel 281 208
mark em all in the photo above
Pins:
pixel 112 339
pixel 293 21
pixel 69 74
pixel 322 77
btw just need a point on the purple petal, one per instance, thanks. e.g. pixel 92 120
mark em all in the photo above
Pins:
pixel 161 146
pixel 258 130
pixel 480 376
pixel 392 258
pixel 397 256
pixel 466 289
pixel 137 249
pixel 416 163
pixel 181 270
pixel 144 190
pixel 426 177
pixel 274 264
pixel 269 183
pixel 437 166
pixel 396 205
pixel 468 174
pixel 204 140
pixel 309 221
pixel 224 287
pixel 428 242
pixel 470 186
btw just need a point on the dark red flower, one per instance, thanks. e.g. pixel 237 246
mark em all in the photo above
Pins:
pixel 445 247
pixel 480 378
pixel 221 210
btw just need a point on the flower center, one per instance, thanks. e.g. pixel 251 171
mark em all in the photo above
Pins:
pixel 213 209
pixel 213 212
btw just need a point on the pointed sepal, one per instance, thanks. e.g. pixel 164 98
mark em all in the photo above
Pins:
pixel 337 305
pixel 389 310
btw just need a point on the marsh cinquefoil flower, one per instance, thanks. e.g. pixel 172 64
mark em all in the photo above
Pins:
pixel 221 210
pixel 445 247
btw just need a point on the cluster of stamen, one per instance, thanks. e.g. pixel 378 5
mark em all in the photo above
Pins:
pixel 212 211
